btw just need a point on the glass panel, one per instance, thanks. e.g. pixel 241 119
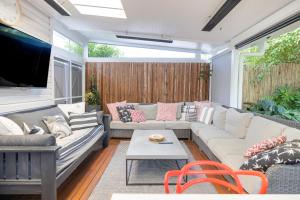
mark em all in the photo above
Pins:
pixel 60 41
pixel 77 99
pixel 60 88
pixel 114 51
pixel 76 82
pixel 75 48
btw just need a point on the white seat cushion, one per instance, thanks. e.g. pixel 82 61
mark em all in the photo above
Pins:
pixel 291 134
pixel 210 132
pixel 123 126
pixel 224 147
pixel 237 123
pixel 261 129
pixel 234 161
pixel 219 117
pixel 78 108
pixel 195 126
pixel 151 124
pixel 177 124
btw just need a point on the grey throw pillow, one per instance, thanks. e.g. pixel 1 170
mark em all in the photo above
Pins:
pixel 57 126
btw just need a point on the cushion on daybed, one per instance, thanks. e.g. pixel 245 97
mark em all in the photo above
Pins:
pixel 27 140
pixel 78 108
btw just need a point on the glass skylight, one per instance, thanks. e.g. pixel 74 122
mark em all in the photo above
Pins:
pixel 105 8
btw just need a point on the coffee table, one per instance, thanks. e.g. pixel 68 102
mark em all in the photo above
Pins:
pixel 140 148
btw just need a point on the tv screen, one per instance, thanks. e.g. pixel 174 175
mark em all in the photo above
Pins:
pixel 24 59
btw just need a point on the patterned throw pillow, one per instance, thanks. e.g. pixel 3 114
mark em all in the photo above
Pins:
pixel 124 113
pixel 82 121
pixel 200 105
pixel 265 145
pixel 189 113
pixel 57 126
pixel 287 153
pixel 112 107
pixel 166 111
pixel 137 115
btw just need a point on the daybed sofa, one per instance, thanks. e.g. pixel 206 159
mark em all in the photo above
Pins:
pixel 227 139
pixel 38 164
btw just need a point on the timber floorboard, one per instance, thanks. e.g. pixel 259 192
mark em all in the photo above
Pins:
pixel 83 180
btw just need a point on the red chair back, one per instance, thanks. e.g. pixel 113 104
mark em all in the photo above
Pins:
pixel 222 169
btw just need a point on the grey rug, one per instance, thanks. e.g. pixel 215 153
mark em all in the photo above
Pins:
pixel 113 179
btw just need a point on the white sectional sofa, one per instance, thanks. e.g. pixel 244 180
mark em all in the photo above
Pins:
pixel 227 139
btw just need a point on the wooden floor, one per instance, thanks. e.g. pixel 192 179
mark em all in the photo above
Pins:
pixel 83 180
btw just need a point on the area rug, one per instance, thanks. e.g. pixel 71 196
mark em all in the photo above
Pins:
pixel 113 179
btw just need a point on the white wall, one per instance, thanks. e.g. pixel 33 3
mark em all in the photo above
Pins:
pixel 37 24
pixel 221 78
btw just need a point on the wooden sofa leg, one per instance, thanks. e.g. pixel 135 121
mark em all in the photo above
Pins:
pixel 48 175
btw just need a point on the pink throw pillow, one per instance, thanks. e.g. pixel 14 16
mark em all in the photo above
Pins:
pixel 199 106
pixel 112 107
pixel 166 111
pixel 137 116
pixel 265 145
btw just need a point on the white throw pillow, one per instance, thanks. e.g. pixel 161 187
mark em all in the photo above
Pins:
pixel 219 117
pixel 78 108
pixel 9 127
pixel 237 123
pixel 206 115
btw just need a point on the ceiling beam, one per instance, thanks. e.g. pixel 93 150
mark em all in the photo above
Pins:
pixel 221 14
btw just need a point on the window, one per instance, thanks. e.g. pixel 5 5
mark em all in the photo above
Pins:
pixel 67 81
pixel 67 44
pixel 115 51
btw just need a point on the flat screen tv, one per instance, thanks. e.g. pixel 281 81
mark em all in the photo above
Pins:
pixel 24 60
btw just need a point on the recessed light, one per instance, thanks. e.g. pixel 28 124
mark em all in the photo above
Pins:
pixel 99 11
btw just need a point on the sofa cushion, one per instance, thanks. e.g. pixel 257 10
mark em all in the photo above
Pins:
pixel 224 147
pixel 112 107
pixel 179 109
pixel 234 161
pixel 9 127
pixel 78 108
pixel 195 126
pixel 149 110
pixel 291 134
pixel 137 115
pixel 122 125
pixel 200 105
pixel 189 113
pixel 261 129
pixel 166 111
pixel 34 118
pixel 124 112
pixel 151 124
pixel 237 123
pixel 219 117
pixel 208 132
pixel 177 125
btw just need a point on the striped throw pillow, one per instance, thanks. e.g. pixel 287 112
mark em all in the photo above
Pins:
pixel 189 113
pixel 81 121
pixel 206 115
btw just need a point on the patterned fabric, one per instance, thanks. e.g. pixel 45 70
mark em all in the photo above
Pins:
pixel 137 115
pixel 82 121
pixel 166 111
pixel 124 113
pixel 287 153
pixel 200 105
pixel 189 113
pixel 112 107
pixel 57 126
pixel 265 145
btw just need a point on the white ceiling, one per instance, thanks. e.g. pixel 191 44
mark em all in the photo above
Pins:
pixel 173 19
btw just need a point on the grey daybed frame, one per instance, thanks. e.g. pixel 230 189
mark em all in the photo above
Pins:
pixel 32 169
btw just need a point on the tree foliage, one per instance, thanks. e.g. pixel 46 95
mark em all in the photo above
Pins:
pixel 282 49
pixel 103 50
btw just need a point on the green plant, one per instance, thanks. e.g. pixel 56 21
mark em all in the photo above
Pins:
pixel 103 50
pixel 93 97
pixel 284 103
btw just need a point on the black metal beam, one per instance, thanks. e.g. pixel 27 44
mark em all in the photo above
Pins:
pixel 143 39
pixel 58 7
pixel 221 14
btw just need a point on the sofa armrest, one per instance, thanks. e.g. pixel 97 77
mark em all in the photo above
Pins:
pixel 284 179
pixel 106 121
pixel 27 140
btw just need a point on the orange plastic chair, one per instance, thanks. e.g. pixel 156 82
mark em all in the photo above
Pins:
pixel 221 170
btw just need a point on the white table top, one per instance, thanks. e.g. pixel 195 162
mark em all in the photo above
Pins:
pixel 141 148
pixel 202 197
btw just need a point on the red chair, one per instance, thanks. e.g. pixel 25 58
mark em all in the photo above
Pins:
pixel 221 170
